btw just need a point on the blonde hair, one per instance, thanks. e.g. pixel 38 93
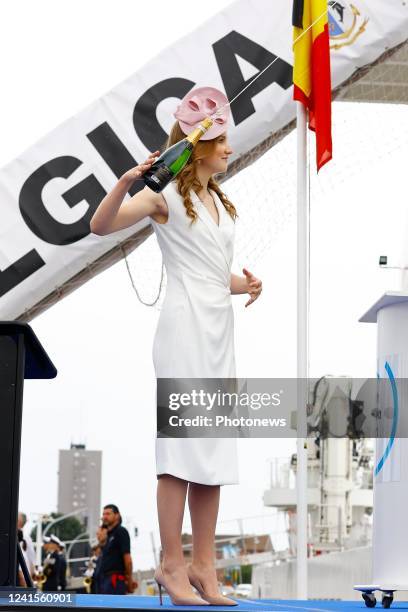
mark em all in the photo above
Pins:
pixel 187 178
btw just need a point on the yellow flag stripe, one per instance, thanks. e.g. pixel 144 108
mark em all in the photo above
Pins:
pixel 313 11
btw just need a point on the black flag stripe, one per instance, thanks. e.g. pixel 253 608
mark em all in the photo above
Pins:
pixel 297 13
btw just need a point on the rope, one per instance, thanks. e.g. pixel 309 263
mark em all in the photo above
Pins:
pixel 133 284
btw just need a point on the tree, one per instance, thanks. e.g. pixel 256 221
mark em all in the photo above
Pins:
pixel 246 573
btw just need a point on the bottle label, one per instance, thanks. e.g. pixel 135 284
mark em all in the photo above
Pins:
pixel 162 175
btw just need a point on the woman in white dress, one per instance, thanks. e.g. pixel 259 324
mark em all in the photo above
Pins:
pixel 194 223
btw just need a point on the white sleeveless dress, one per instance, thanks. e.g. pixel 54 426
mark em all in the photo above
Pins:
pixel 195 332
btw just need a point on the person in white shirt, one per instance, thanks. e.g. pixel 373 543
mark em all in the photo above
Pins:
pixel 28 551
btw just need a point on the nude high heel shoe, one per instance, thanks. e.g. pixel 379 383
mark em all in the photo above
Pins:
pixel 193 600
pixel 215 600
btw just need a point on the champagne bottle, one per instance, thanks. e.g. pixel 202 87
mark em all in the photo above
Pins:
pixel 173 159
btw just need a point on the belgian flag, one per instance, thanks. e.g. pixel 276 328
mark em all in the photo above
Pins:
pixel 311 71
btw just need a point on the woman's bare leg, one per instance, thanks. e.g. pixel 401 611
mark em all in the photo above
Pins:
pixel 171 499
pixel 203 501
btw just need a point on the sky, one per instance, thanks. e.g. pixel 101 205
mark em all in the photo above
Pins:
pixel 100 337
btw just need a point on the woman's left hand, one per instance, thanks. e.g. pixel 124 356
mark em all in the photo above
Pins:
pixel 254 286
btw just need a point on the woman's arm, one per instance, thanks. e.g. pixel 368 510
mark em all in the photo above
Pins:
pixel 246 284
pixel 238 284
pixel 113 214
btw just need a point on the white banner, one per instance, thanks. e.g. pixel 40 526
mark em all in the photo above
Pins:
pixel 50 192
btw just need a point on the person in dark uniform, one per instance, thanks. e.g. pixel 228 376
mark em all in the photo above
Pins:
pixel 102 536
pixel 62 582
pixel 51 563
pixel 115 570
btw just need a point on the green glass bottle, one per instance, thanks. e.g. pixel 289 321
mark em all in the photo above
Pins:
pixel 173 159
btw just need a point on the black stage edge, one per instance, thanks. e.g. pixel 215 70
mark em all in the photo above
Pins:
pixel 21 356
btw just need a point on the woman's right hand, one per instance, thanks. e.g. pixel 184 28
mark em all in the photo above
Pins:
pixel 134 173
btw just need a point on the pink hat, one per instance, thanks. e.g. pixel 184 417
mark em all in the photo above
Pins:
pixel 203 102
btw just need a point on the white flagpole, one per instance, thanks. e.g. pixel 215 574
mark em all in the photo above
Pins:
pixel 302 347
